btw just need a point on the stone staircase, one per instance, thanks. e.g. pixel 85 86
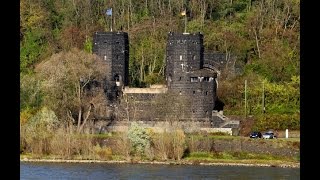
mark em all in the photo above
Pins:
pixel 221 121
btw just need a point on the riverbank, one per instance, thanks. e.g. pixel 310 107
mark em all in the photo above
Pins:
pixel 176 148
pixel 257 163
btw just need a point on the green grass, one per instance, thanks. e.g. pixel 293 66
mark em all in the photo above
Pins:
pixel 226 137
pixel 289 139
pixel 237 156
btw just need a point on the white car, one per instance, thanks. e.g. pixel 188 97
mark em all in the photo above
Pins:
pixel 268 135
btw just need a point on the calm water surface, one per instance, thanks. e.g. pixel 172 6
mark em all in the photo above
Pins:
pixel 42 170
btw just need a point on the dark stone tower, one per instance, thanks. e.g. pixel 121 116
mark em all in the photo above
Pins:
pixel 186 76
pixel 184 54
pixel 113 48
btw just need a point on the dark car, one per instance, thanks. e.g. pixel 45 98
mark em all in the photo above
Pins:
pixel 255 135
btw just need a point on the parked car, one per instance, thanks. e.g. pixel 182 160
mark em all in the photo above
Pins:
pixel 268 135
pixel 255 134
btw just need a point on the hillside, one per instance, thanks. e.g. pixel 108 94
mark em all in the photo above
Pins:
pixel 263 35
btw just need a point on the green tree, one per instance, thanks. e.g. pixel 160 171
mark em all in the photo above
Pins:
pixel 139 138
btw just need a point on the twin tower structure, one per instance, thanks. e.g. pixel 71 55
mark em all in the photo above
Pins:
pixel 190 74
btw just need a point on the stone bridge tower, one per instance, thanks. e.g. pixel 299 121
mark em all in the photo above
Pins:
pixel 113 49
pixel 186 76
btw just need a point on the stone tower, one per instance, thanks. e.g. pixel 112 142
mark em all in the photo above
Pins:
pixel 186 76
pixel 113 49
pixel 184 54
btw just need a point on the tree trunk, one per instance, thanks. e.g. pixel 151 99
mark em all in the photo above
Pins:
pixel 142 67
pixel 80 108
pixel 257 42
pixel 86 118
pixel 79 118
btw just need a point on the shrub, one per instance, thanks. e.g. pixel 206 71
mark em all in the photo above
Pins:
pixel 179 142
pixel 67 144
pixel 62 143
pixel 104 153
pixel 162 145
pixel 139 138
pixel 123 146
pixel 38 131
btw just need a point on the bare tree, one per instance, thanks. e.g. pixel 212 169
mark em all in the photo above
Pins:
pixel 71 84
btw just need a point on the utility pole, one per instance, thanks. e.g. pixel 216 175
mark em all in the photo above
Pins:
pixel 111 21
pixel 245 98
pixel 185 21
pixel 263 101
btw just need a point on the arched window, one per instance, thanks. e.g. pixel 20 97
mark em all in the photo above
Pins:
pixel 169 77
pixel 117 79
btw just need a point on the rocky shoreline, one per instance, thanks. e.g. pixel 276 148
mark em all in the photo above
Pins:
pixel 292 165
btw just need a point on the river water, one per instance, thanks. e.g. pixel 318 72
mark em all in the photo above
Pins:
pixel 41 170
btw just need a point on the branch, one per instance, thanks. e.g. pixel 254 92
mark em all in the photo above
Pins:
pixel 87 81
pixel 69 114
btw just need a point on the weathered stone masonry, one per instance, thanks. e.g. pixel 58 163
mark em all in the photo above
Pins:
pixel 190 73
pixel 185 73
pixel 113 48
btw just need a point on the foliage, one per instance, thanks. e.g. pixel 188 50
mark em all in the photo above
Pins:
pixel 88 46
pixel 139 138
pixel 42 137
pixel 37 132
pixel 280 121
pixel 104 153
pixel 261 32
pixel 162 145
pixel 30 92
pixel 44 119
pixel 281 101
pixel 31 49
pixel 178 143
pixel 123 145
pixel 25 115
pixel 67 81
